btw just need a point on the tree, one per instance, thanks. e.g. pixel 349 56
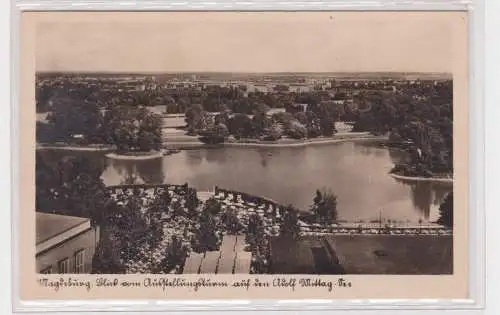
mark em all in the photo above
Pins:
pixel 325 206
pixel 255 233
pixel 290 226
pixel 328 114
pixel 161 201
pixel 231 221
pixel 446 211
pixel 240 126
pixel 296 130
pixel 133 128
pixel 130 221
pixel 177 209
pixel 206 234
pixel 71 187
pixel 284 118
pixel 215 135
pixel 275 133
pixel 70 118
pixel 195 118
pixel 261 123
pixel 301 117
pixel 192 201
pixel 106 259
pixel 212 206
pixel 255 225
pixel 175 254
pixel 222 118
pixel 313 125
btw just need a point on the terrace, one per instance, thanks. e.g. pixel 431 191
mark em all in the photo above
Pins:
pixel 324 248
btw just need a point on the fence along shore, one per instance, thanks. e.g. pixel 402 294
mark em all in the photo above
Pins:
pixel 341 228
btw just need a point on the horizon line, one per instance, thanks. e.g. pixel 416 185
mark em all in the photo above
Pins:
pixel 228 72
pixel 442 75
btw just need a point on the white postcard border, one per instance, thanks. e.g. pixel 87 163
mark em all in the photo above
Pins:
pixel 476 133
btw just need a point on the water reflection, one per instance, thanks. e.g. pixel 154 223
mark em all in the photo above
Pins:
pixel 427 196
pixel 396 155
pixel 422 198
pixel 214 155
pixel 194 156
pixel 356 172
pixel 264 157
pixel 143 171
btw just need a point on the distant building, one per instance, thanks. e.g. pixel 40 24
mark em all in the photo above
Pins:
pixel 295 108
pixel 64 244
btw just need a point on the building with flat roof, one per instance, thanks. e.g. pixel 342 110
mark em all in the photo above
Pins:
pixel 64 244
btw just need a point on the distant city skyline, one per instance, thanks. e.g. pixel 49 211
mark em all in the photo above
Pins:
pixel 375 75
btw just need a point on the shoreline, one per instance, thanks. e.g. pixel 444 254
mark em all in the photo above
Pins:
pixel 190 145
pixel 151 156
pixel 423 179
pixel 74 148
pixel 301 143
pixel 315 228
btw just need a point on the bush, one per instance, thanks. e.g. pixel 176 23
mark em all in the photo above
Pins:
pixel 296 130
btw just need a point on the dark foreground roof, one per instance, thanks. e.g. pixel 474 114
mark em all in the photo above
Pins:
pixel 50 225
pixel 363 254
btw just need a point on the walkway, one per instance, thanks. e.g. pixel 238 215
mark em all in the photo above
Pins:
pixel 230 259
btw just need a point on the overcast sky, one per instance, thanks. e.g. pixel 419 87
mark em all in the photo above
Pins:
pixel 248 42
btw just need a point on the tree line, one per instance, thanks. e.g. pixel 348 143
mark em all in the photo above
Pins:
pixel 316 120
pixel 419 121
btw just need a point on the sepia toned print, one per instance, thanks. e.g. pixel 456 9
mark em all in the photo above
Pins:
pixel 244 173
pixel 201 170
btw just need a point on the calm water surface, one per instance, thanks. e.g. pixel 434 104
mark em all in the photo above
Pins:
pixel 356 172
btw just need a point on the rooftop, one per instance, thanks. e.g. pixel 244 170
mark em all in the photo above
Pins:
pixel 363 254
pixel 51 225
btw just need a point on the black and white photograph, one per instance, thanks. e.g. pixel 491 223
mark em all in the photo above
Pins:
pixel 165 150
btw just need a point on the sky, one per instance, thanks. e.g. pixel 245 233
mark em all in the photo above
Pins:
pixel 248 42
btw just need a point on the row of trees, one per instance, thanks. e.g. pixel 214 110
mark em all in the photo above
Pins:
pixel 317 121
pixel 83 122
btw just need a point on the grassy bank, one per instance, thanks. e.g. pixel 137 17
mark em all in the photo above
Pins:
pixel 194 143
pixel 72 147
pixel 447 180
pixel 135 155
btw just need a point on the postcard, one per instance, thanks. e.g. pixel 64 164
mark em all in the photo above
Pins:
pixel 243 155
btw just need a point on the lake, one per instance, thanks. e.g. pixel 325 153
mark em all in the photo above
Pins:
pixel 357 172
